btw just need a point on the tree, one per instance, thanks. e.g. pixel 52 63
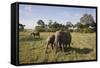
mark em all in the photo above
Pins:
pixel 69 24
pixel 50 24
pixel 87 20
pixel 80 26
pixel 55 25
pixel 41 23
pixel 21 27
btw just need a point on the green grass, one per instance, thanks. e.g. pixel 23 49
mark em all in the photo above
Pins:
pixel 32 50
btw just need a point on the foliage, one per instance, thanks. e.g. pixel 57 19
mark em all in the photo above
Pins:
pixel 87 30
pixel 86 21
pixel 69 24
pixel 40 29
pixel 51 27
pixel 41 23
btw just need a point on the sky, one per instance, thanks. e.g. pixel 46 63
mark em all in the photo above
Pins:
pixel 30 14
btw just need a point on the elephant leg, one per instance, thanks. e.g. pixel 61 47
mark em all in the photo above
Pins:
pixel 46 47
pixel 60 46
pixel 34 36
pixel 63 47
pixel 66 46
pixel 52 45
pixel 69 45
pixel 38 36
pixel 56 47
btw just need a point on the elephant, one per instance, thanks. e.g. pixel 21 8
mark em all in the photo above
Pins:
pixel 36 34
pixel 50 40
pixel 62 39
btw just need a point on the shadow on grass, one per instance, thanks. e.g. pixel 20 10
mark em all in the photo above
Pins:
pixel 78 50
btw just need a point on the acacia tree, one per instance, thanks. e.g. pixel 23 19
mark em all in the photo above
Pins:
pixel 87 20
pixel 41 26
pixel 41 23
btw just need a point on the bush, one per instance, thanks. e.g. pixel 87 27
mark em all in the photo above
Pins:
pixel 71 30
pixel 86 30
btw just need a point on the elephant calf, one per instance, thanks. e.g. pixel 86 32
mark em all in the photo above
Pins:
pixel 50 41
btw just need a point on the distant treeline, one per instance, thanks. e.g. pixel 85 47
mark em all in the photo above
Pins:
pixel 86 24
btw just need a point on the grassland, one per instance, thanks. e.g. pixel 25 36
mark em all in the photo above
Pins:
pixel 32 50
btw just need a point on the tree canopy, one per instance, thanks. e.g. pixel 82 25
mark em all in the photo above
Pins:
pixel 87 19
pixel 41 23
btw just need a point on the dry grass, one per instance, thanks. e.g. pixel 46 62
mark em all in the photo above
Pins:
pixel 33 50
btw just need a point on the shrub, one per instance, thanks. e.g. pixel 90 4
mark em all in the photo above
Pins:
pixel 87 30
pixel 71 30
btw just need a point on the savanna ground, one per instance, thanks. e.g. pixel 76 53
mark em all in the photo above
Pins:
pixel 32 50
